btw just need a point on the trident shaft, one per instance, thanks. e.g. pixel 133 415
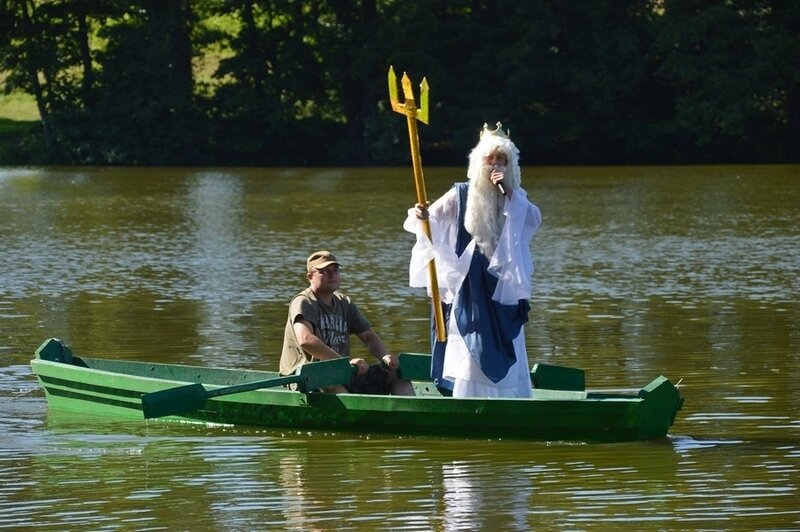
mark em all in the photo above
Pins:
pixel 409 108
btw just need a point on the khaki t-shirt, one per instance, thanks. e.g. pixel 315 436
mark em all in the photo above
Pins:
pixel 333 325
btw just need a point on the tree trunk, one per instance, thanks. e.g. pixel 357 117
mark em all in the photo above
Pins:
pixel 169 22
pixel 33 71
pixel 87 82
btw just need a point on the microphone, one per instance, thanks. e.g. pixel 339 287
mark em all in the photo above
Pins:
pixel 502 169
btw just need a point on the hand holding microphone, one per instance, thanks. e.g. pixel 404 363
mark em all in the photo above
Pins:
pixel 497 175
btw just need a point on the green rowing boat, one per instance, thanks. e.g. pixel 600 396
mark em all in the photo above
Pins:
pixel 561 408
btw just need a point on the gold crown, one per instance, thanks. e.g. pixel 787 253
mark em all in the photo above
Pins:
pixel 497 131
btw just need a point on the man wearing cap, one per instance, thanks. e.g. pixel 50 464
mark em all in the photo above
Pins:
pixel 481 233
pixel 321 320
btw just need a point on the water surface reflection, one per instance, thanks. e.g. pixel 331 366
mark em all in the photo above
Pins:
pixel 247 479
pixel 687 271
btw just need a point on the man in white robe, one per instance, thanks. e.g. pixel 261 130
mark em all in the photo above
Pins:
pixel 481 244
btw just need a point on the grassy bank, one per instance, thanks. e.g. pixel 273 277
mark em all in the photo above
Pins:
pixel 20 141
pixel 18 106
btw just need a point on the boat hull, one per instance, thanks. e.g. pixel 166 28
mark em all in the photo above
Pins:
pixel 108 387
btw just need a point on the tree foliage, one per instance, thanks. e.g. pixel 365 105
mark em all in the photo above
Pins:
pixel 293 82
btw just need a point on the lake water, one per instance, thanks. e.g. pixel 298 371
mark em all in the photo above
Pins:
pixel 690 272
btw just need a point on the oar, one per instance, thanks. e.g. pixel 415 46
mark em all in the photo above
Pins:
pixel 193 397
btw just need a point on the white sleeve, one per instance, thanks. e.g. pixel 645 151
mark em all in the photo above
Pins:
pixel 512 263
pixel 450 269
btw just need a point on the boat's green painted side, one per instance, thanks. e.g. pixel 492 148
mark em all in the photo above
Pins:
pixel 111 387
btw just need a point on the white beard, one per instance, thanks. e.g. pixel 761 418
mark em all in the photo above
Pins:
pixel 484 218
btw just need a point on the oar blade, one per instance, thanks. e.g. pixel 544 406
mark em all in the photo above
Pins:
pixel 174 401
pixel 325 373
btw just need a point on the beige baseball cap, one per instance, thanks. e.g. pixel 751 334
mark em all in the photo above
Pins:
pixel 320 259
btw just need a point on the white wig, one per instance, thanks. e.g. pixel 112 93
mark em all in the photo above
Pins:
pixel 490 141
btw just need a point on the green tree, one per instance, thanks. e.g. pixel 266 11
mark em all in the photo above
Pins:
pixel 304 82
pixel 270 87
pixel 39 49
pixel 146 111
pixel 725 63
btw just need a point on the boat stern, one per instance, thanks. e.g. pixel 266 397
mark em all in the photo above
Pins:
pixel 661 402
pixel 54 350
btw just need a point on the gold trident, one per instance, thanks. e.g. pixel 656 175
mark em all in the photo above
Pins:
pixel 413 114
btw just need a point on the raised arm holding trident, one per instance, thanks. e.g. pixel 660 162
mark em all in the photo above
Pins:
pixel 409 108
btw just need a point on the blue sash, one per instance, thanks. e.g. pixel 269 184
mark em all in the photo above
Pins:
pixel 488 327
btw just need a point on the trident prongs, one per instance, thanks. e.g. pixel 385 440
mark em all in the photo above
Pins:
pixel 396 105
pixel 409 107
pixel 422 113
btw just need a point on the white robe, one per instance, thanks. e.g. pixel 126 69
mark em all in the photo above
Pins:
pixel 511 263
